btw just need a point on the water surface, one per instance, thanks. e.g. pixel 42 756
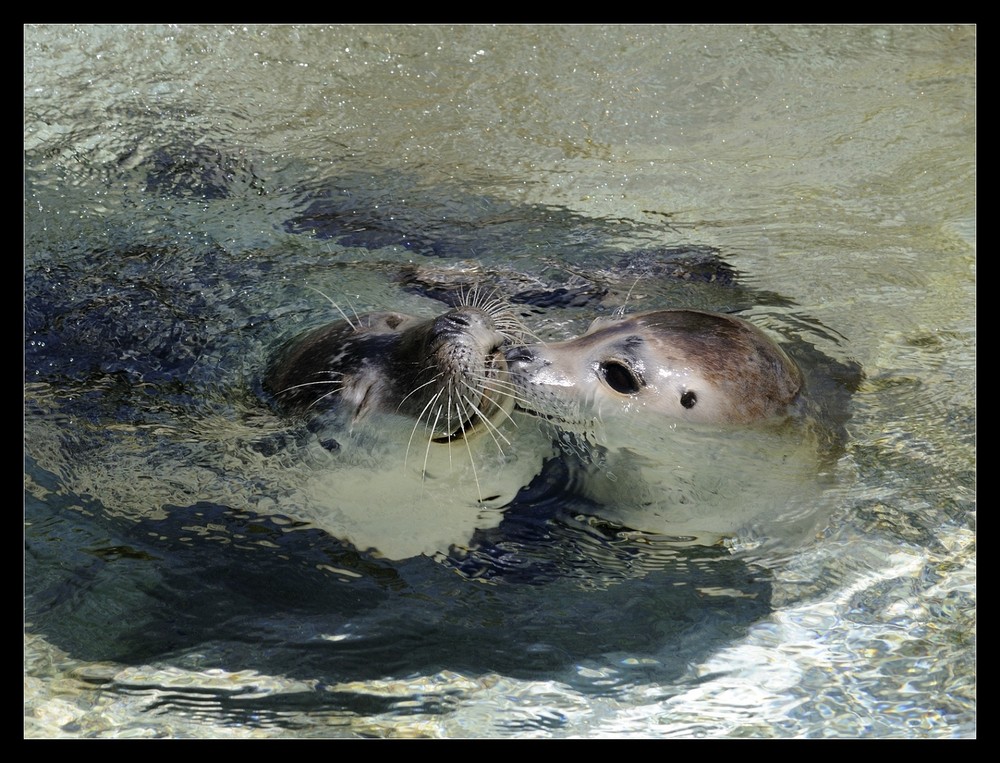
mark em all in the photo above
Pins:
pixel 188 187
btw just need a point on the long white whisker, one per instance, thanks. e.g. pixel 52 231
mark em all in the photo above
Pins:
pixel 430 440
pixel 481 414
pixel 311 384
pixel 489 426
pixel 417 389
pixel 338 309
pixel 448 430
pixel 323 397
pixel 620 311
pixel 475 472
pixel 508 388
pixel 416 424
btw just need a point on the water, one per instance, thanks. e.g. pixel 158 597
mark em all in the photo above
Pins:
pixel 187 187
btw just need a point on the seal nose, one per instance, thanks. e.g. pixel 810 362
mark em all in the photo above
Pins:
pixel 460 321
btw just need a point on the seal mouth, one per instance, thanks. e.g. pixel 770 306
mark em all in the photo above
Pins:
pixel 531 412
pixel 463 431
pixel 539 415
pixel 491 404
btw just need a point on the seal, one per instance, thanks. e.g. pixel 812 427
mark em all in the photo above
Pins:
pixel 688 365
pixel 448 372
pixel 679 422
pixel 374 386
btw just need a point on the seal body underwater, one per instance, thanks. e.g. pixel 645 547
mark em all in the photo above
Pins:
pixel 413 420
pixel 680 422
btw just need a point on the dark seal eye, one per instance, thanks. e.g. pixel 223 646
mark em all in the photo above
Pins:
pixel 688 399
pixel 620 378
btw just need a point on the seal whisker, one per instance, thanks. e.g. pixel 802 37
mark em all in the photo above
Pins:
pixel 448 374
pixel 490 427
pixel 338 308
pixel 423 416
pixel 326 396
pixel 314 383
pixel 309 384
pixel 509 390
pixel 430 441
pixel 481 414
pixel 619 311
pixel 287 391
pixel 455 403
pixel 475 472
pixel 501 385
pixel 415 390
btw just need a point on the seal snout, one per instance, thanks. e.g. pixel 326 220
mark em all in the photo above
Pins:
pixel 463 319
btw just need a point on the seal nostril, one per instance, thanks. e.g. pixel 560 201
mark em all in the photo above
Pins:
pixel 522 354
pixel 620 378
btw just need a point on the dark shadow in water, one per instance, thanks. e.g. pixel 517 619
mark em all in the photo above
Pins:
pixel 457 222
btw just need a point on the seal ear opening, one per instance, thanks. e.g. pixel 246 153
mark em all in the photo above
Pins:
pixel 393 320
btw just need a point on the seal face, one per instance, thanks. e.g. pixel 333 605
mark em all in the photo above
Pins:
pixel 408 417
pixel 448 372
pixel 688 365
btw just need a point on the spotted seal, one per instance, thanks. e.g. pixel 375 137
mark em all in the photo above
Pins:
pixel 415 416
pixel 688 365
pixel 680 422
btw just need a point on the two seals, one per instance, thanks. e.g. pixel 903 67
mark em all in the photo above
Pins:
pixel 647 393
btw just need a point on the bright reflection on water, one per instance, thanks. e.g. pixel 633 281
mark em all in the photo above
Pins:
pixel 181 210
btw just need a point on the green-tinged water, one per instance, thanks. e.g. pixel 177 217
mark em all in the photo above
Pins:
pixel 191 192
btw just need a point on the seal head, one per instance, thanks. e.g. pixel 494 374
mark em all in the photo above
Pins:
pixel 688 365
pixel 448 372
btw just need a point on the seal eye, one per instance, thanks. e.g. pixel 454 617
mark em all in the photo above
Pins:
pixel 620 378
pixel 688 399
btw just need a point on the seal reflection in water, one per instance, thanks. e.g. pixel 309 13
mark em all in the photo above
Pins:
pixel 413 413
pixel 681 422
